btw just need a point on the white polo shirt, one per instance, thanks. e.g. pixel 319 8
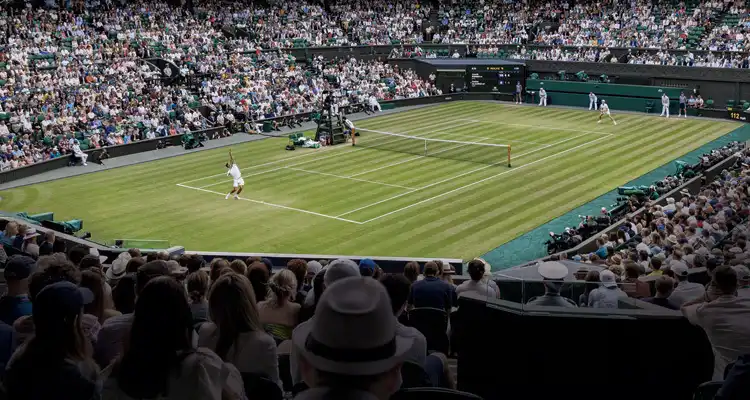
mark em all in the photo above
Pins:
pixel 480 288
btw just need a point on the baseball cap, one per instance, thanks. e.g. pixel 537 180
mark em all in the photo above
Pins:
pixel 313 267
pixel 367 263
pixel 19 267
pixel 339 269
pixel 679 269
pixel 62 298
pixel 607 278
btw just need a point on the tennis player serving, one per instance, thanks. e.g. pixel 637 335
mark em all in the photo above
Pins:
pixel 238 183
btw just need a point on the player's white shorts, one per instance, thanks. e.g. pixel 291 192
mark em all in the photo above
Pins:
pixel 606 113
pixel 239 182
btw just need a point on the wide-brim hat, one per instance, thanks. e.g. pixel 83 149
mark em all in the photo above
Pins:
pixel 353 331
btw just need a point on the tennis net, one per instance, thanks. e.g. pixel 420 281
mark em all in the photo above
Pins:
pixel 476 152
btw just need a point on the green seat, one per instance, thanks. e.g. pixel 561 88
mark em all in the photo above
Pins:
pixel 709 103
pixel 649 106
pixel 730 103
pixel 4 116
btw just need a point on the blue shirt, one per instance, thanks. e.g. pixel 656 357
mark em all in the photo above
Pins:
pixel 14 307
pixel 432 292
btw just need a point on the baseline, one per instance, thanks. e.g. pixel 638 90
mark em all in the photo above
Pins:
pixel 275 205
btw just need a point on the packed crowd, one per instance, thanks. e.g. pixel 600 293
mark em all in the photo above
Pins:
pixel 155 326
pixel 707 230
pixel 70 81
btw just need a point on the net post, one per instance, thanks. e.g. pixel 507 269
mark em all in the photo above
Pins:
pixel 508 156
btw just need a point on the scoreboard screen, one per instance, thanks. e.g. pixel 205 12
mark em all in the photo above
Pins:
pixel 482 78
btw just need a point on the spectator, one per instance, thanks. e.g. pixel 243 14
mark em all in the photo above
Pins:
pixel 279 314
pixel 93 281
pixel 608 295
pixel 47 246
pixel 10 233
pixel 655 266
pixel 50 269
pixel 474 285
pixel 56 362
pixel 7 346
pixel 235 332
pixel 446 272
pixel 118 269
pixel 724 320
pixel 76 254
pixel 337 270
pixel 239 267
pixel 432 292
pixel 216 266
pixel 299 269
pixel 685 290
pixel 197 287
pixel 313 268
pixel 29 243
pixel 161 360
pixel 114 330
pixel 592 282
pixel 134 264
pixel 633 286
pixel 553 273
pixel 743 280
pixel 367 267
pixel 364 324
pixel 123 295
pixel 664 286
pixel 411 271
pixel 15 303
pixel 258 275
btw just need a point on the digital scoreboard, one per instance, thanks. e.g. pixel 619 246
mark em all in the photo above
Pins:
pixel 483 78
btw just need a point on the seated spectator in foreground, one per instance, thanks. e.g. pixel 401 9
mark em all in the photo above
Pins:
pixel 56 362
pixel 280 314
pixel 743 280
pixel 608 294
pixel 685 290
pixel 411 271
pixel 160 360
pixel 123 295
pixel 299 269
pixel 633 286
pixel 592 282
pixel 114 330
pixel 367 267
pixel 725 319
pixel 737 382
pixel 51 269
pixel 432 292
pixel 7 346
pixel 197 287
pixel 434 364
pixel 354 321
pixel 553 273
pixel 664 286
pixel 335 271
pixel 93 281
pixel 475 285
pixel 258 275
pixel 235 333
pixel 15 303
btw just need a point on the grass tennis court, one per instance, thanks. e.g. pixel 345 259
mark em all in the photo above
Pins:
pixel 355 200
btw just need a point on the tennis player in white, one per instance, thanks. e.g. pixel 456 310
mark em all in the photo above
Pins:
pixel 664 105
pixel 542 97
pixel 604 110
pixel 238 182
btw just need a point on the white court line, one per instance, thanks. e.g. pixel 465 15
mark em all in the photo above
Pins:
pixel 349 177
pixel 533 126
pixel 481 181
pixel 275 205
pixel 464 174
pixel 272 162
pixel 270 170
